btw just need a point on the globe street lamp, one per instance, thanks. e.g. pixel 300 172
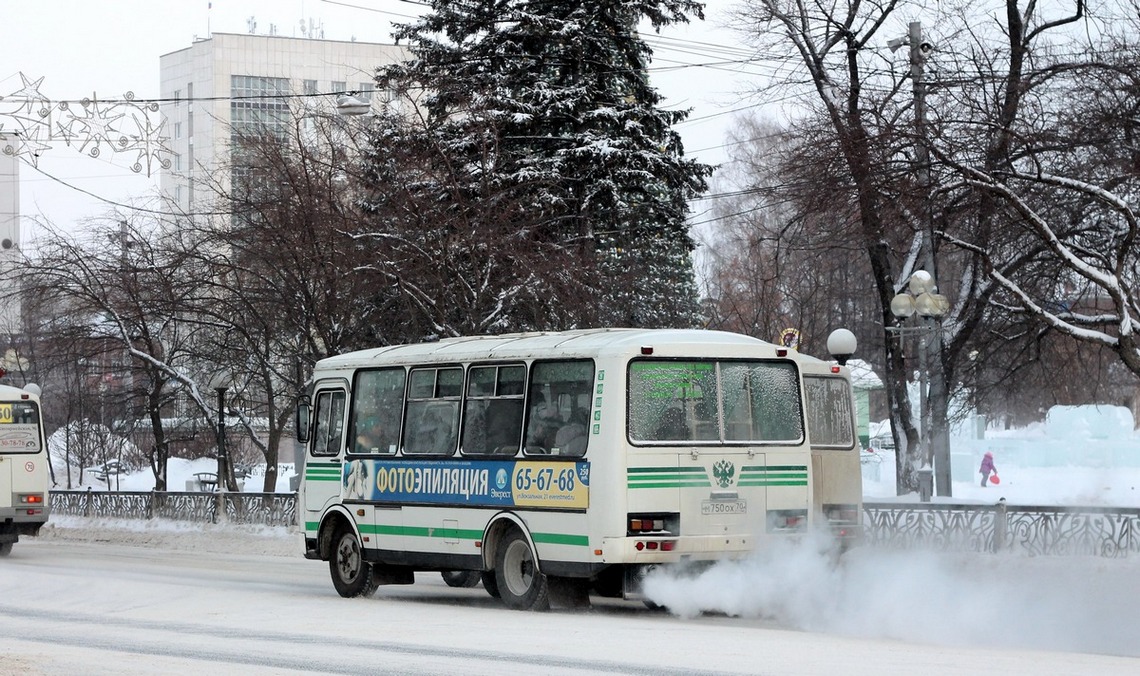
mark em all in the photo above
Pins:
pixel 922 298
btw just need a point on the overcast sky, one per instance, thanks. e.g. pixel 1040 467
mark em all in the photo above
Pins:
pixel 106 48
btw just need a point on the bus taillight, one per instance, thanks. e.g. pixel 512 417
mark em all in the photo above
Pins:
pixel 655 545
pixel 646 525
pixel 31 499
pixel 787 520
pixel 661 523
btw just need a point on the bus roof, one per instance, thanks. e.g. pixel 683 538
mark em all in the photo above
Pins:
pixel 578 343
pixel 13 392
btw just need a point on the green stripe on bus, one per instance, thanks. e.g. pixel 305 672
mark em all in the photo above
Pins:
pixel 671 470
pixel 765 482
pixel 774 475
pixel 561 539
pixel 466 534
pixel 670 484
pixel 774 468
pixel 421 531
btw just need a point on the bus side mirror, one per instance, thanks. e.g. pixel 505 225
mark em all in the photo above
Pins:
pixel 302 422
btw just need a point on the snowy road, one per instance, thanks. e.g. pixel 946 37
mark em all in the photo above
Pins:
pixel 97 602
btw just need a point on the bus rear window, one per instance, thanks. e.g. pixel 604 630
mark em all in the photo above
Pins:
pixel 19 427
pixel 709 401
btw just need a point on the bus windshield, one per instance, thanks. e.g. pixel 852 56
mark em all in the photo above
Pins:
pixel 19 427
pixel 713 401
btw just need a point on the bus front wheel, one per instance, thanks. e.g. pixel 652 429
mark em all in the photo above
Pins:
pixel 6 548
pixel 351 574
pixel 520 583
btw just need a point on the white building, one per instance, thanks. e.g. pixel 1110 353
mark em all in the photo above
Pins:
pixel 230 82
pixel 9 235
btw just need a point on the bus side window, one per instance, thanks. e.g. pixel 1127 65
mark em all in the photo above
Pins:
pixel 494 410
pixel 377 398
pixel 432 415
pixel 556 423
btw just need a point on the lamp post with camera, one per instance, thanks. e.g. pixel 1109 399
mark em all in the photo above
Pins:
pixel 922 299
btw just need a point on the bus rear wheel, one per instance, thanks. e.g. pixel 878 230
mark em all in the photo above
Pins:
pixel 490 583
pixel 520 583
pixel 6 548
pixel 351 574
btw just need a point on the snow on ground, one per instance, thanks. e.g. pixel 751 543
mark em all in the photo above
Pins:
pixel 180 474
pixel 946 601
pixel 1020 485
pixel 176 535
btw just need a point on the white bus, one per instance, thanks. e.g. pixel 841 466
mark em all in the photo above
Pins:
pixel 560 463
pixel 24 475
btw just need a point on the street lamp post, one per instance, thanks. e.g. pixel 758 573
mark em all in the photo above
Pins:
pixel 220 383
pixel 922 298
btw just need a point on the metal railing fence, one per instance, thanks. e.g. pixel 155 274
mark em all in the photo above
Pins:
pixel 1034 530
pixel 267 509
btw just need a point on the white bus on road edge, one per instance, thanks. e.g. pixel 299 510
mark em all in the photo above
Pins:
pixel 24 475
pixel 568 462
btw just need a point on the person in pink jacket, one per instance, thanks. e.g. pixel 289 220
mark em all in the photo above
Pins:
pixel 987 468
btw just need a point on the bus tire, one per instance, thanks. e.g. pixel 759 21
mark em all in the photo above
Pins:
pixel 489 583
pixel 521 584
pixel 351 574
pixel 460 578
pixel 6 548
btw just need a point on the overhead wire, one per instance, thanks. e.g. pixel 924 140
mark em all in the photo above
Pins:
pixel 748 59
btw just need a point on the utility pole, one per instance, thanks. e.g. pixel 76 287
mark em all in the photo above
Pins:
pixel 935 433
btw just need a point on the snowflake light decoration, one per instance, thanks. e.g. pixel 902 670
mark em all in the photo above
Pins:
pixel 29 121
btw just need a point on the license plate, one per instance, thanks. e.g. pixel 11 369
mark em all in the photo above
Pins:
pixel 709 507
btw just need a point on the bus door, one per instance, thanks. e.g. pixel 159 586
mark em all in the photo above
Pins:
pixel 324 456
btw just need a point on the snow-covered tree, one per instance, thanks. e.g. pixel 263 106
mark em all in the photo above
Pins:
pixel 536 122
pixel 1052 164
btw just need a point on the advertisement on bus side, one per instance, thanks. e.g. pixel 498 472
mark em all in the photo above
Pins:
pixel 491 483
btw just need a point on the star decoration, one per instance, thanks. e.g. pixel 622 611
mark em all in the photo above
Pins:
pixel 34 122
pixel 30 93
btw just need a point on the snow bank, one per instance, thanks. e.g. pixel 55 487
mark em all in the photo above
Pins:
pixel 176 535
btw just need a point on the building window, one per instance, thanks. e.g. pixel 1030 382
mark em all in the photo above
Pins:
pixel 177 130
pixel 177 162
pixel 177 95
pixel 310 87
pixel 259 106
pixel 366 89
pixel 338 87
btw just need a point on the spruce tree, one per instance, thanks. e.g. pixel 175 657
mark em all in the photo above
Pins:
pixel 546 105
